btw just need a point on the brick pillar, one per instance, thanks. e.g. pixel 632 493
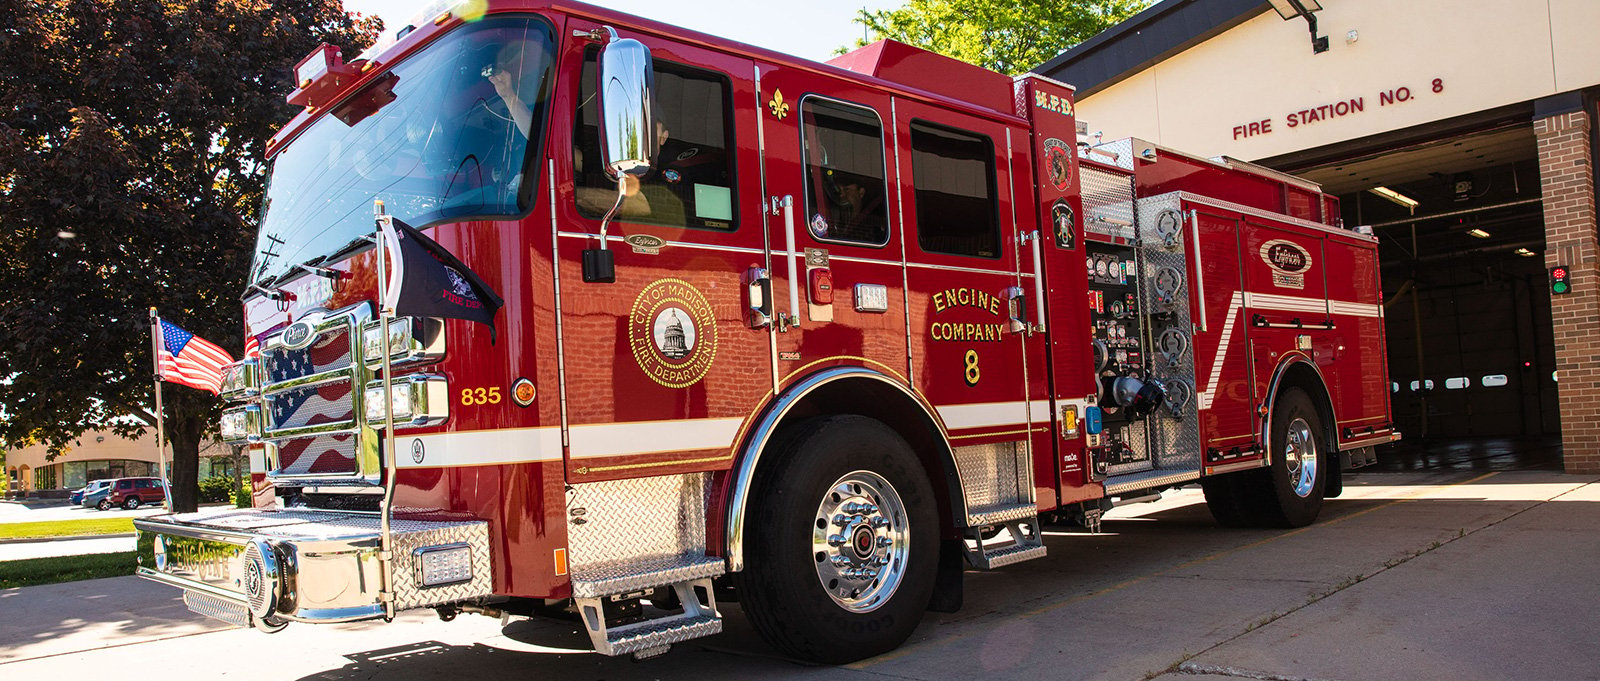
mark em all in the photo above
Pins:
pixel 1566 175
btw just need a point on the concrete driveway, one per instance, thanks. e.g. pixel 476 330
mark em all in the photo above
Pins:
pixel 1421 575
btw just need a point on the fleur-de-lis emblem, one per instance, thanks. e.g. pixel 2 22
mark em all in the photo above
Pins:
pixel 779 107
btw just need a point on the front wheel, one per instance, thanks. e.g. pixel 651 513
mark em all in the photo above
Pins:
pixel 130 503
pixel 843 544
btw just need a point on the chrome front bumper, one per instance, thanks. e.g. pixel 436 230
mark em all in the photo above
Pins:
pixel 270 566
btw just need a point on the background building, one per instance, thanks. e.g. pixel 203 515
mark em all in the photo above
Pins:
pixel 101 455
pixel 1462 131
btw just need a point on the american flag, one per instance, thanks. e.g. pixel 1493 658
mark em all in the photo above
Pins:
pixel 252 347
pixel 190 360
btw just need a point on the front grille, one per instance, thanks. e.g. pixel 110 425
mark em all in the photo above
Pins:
pixel 330 351
pixel 324 404
pixel 310 405
pixel 318 455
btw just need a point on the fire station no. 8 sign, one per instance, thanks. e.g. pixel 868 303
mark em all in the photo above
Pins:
pixel 673 333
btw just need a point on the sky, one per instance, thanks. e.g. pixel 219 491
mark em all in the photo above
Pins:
pixel 812 29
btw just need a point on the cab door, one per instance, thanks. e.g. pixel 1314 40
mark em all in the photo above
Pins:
pixel 657 366
pixel 837 279
pixel 970 284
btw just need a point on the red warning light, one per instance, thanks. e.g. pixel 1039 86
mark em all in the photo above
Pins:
pixel 1560 280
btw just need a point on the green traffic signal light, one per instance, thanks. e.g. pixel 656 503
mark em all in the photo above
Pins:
pixel 1560 280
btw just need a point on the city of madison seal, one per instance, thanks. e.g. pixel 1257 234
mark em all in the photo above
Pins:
pixel 672 332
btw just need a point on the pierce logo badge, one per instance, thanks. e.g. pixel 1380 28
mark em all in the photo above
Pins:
pixel 1289 262
pixel 298 335
pixel 672 332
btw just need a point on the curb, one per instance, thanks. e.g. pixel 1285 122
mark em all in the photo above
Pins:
pixel 41 540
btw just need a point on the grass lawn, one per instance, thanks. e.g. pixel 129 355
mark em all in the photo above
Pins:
pixel 36 571
pixel 66 528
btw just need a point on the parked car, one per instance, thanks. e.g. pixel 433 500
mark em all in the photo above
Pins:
pixel 131 493
pixel 94 495
pixel 77 494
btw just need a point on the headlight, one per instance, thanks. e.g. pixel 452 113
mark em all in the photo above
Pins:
pixel 417 400
pixel 241 380
pixel 412 340
pixel 241 425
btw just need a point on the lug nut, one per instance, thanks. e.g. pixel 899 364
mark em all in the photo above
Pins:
pixel 884 541
pixel 839 560
pixel 836 540
pixel 880 521
pixel 841 519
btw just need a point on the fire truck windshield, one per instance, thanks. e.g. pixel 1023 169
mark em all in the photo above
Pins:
pixel 443 135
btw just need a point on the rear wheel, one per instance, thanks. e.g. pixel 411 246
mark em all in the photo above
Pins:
pixel 104 505
pixel 1289 492
pixel 1298 450
pixel 843 543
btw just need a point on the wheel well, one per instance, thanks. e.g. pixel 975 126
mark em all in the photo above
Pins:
pixel 1304 375
pixel 878 400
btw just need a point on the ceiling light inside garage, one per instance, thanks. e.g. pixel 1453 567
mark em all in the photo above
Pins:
pixel 1396 197
pixel 1478 233
pixel 1524 252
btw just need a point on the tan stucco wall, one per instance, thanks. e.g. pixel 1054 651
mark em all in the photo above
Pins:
pixel 1485 53
pixel 104 445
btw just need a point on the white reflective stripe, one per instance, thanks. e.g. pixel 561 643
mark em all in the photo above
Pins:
pixel 958 416
pixel 621 439
pixel 258 458
pixel 479 448
pixel 1357 309
pixel 1268 301
pixel 1222 350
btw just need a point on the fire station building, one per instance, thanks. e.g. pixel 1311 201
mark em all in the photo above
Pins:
pixel 1461 131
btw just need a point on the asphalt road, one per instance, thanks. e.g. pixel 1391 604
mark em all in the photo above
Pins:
pixel 1454 575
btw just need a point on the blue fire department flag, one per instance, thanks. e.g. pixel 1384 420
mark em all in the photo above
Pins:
pixel 425 280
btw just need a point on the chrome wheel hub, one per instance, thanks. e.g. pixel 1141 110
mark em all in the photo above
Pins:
pixel 1300 457
pixel 860 540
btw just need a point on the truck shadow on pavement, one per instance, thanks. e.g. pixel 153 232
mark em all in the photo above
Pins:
pixel 1161 586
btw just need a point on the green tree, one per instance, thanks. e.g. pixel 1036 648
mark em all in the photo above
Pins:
pixel 132 138
pixel 1009 36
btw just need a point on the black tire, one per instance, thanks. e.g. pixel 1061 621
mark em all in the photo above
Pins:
pixel 1296 496
pixel 1277 496
pixel 782 587
pixel 1226 499
pixel 104 505
pixel 130 503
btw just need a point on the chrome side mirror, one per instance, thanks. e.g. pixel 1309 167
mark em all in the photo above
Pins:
pixel 627 101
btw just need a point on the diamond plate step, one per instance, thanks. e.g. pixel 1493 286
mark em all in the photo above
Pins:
pixel 999 514
pixel 1012 554
pixel 1026 544
pixel 645 637
pixel 654 636
pixel 624 578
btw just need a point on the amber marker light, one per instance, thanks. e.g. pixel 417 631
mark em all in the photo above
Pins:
pixel 523 392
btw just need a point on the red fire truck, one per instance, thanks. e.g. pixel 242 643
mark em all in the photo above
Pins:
pixel 814 337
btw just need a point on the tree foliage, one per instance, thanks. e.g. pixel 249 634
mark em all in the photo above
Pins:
pixel 132 138
pixel 1009 36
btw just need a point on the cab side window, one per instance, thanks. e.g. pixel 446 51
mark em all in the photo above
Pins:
pixel 691 178
pixel 845 189
pixel 953 172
